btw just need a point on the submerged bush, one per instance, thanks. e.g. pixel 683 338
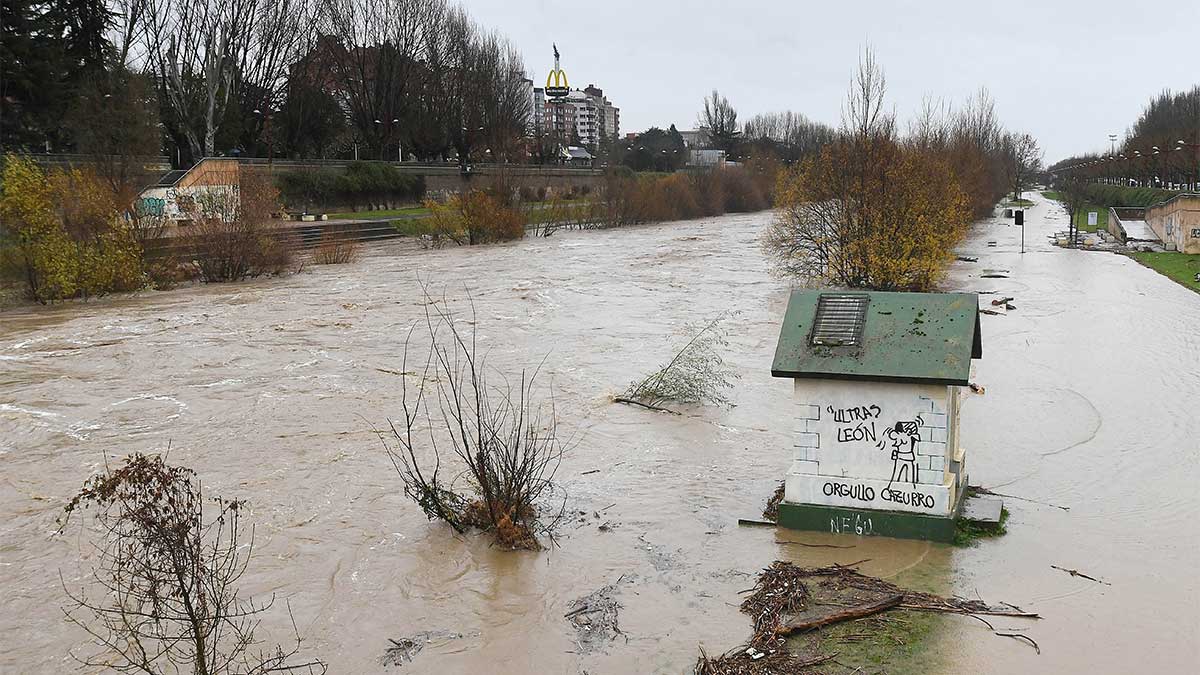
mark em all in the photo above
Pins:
pixel 474 217
pixel 335 248
pixel 502 432
pixel 166 561
pixel 63 233
pixel 232 237
pixel 628 198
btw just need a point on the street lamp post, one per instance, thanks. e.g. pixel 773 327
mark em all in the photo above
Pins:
pixel 267 129
pixel 399 146
pixel 1184 144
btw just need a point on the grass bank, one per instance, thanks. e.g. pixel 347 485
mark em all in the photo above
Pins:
pixel 1181 268
pixel 381 213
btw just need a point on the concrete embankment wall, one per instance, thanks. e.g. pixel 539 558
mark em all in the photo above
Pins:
pixel 1117 214
pixel 1177 222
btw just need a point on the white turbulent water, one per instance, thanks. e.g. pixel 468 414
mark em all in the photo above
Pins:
pixel 269 390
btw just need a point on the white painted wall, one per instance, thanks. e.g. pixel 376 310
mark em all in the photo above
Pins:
pixel 180 203
pixel 845 437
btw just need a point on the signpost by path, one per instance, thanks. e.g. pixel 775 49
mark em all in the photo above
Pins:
pixel 1020 220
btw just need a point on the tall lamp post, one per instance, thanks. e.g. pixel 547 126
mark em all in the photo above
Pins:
pixel 1181 145
pixel 267 129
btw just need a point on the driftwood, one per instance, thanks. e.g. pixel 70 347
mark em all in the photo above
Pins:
pixel 756 523
pixel 630 401
pixel 838 617
pixel 1077 573
pixel 1015 636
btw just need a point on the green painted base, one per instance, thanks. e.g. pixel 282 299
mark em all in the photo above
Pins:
pixel 866 522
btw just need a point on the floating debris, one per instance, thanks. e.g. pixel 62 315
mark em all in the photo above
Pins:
pixel 788 599
pixel 594 618
pixel 771 513
pixel 406 649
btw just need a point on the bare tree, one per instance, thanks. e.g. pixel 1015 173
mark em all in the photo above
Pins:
pixel 377 53
pixel 168 572
pixel 791 135
pixel 719 117
pixel 500 430
pixel 1024 160
pixel 129 27
pixel 196 47
pixel 863 116
pixel 281 34
pixel 1073 195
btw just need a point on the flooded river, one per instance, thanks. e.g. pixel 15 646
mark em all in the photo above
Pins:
pixel 269 390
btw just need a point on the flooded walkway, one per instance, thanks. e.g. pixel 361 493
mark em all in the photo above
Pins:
pixel 269 390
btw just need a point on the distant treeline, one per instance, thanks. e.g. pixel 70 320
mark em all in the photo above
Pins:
pixel 300 78
pixel 1161 149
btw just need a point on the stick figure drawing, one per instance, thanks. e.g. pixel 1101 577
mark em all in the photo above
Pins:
pixel 902 439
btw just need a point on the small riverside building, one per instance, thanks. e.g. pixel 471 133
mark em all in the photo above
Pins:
pixel 879 380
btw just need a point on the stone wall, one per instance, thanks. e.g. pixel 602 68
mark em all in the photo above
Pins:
pixel 875 445
pixel 556 181
pixel 1177 222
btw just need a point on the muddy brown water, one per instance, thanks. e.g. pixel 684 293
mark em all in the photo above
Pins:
pixel 269 390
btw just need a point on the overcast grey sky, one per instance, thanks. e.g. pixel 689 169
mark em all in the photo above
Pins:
pixel 1070 72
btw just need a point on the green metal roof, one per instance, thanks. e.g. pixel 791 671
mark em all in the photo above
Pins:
pixel 907 337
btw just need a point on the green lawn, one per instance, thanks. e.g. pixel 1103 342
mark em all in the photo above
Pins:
pixel 1020 203
pixel 1081 218
pixel 411 227
pixel 1179 267
pixel 383 213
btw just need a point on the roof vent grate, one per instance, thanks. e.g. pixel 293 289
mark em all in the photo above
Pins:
pixel 840 319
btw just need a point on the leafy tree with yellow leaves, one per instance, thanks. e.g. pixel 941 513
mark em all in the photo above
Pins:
pixel 63 234
pixel 869 210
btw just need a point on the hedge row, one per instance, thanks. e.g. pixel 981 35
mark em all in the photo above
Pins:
pixel 361 185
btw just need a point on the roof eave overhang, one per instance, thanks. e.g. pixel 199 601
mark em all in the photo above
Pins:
pixel 870 378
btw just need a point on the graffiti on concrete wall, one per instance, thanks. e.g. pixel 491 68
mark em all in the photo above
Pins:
pixel 151 206
pixel 879 448
pixel 857 423
pixel 845 524
pixel 902 439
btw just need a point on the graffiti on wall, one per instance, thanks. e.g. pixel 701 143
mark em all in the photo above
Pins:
pixel 151 206
pixel 902 439
pixel 845 524
pixel 856 423
pixel 861 451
